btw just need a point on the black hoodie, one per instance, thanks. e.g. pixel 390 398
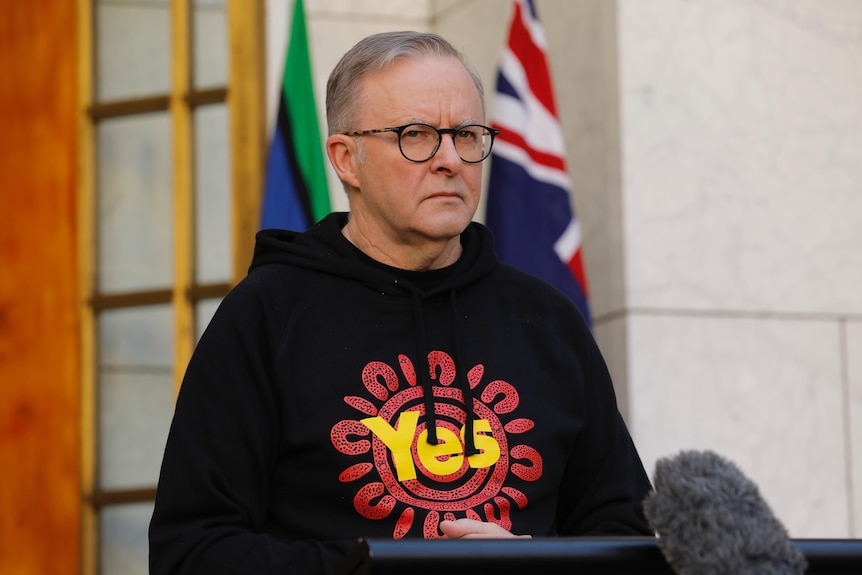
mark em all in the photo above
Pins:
pixel 326 401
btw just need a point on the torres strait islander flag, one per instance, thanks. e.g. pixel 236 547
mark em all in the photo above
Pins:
pixel 296 194
pixel 529 209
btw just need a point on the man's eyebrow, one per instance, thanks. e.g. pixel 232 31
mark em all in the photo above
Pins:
pixel 456 125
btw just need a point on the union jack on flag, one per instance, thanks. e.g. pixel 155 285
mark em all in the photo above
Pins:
pixel 529 209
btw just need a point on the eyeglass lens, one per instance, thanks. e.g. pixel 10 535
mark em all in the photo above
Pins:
pixel 419 142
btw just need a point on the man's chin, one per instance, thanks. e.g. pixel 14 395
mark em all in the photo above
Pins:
pixel 446 226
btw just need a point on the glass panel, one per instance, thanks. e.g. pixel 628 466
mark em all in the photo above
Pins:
pixel 132 48
pixel 212 195
pixel 124 539
pixel 204 312
pixel 135 394
pixel 210 43
pixel 135 209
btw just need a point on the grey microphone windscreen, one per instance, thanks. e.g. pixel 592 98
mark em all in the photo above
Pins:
pixel 711 519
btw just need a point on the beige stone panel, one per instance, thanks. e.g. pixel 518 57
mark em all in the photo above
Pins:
pixel 765 393
pixel 742 151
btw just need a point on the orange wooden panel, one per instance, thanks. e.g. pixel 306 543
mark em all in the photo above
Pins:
pixel 39 365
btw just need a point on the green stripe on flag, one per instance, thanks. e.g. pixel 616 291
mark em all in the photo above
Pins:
pixel 298 91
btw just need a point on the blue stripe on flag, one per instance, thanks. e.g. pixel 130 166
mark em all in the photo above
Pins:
pixel 504 87
pixel 281 204
pixel 527 217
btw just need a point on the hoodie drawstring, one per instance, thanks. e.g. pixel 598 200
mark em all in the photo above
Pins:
pixel 466 391
pixel 425 377
pixel 424 372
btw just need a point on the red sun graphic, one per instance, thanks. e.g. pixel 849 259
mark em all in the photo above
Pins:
pixel 400 470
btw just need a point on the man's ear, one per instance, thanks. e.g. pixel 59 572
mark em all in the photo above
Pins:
pixel 342 154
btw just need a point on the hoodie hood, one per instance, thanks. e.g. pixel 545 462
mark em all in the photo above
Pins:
pixel 323 248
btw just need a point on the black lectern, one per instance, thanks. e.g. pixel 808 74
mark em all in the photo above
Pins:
pixel 538 556
pixel 557 556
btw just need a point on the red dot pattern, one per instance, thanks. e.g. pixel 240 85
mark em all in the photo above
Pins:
pixel 531 472
pixel 510 400
pixel 361 404
pixel 355 472
pixel 371 375
pixel 404 523
pixel 446 364
pixel 340 437
pixel 517 496
pixel 407 369
pixel 519 425
pixel 363 502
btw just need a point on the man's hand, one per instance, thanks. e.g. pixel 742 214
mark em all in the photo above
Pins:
pixel 472 529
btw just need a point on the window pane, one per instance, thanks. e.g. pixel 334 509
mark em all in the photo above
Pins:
pixel 135 394
pixel 204 312
pixel 210 43
pixel 132 48
pixel 212 195
pixel 135 210
pixel 124 539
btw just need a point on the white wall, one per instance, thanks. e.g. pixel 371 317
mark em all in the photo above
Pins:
pixel 716 153
pixel 742 217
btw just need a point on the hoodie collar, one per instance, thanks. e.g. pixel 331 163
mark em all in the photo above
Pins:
pixel 323 248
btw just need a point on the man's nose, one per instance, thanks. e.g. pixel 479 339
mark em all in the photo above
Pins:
pixel 447 155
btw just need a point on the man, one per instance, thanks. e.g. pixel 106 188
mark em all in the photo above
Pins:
pixel 383 374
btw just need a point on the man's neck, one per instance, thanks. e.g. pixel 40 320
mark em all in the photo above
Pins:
pixel 420 256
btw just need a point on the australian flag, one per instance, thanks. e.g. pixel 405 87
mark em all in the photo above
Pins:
pixel 529 209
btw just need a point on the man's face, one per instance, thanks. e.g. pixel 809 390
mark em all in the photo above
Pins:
pixel 410 202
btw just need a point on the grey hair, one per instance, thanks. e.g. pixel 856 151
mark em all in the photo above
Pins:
pixel 374 53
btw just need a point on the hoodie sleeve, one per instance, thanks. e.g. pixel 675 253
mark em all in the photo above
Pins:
pixel 211 504
pixel 605 484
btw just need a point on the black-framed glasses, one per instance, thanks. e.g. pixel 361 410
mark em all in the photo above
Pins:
pixel 419 142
